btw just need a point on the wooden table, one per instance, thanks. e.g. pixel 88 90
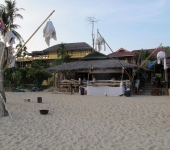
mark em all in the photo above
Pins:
pixel 68 85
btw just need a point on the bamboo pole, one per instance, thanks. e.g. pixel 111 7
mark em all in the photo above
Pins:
pixel 32 35
pixel 35 31
pixel 105 41
pixel 146 59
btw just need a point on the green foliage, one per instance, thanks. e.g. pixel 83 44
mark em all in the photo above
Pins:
pixel 57 62
pixel 142 55
pixel 24 76
pixel 16 77
pixel 167 49
pixel 39 64
pixel 9 12
pixel 62 53
pixel 21 51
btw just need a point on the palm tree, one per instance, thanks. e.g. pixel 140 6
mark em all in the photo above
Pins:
pixel 141 56
pixel 137 57
pixel 167 49
pixel 8 14
pixel 144 55
pixel 21 52
pixel 62 53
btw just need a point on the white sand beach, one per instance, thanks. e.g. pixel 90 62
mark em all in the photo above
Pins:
pixel 80 122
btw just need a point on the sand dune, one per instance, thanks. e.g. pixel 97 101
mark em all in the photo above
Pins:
pixel 77 122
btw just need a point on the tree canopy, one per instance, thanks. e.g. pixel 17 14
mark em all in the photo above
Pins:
pixel 8 13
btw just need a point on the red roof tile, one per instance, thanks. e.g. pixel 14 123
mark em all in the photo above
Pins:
pixel 121 53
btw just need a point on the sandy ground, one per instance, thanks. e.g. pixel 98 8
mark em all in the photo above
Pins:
pixel 79 122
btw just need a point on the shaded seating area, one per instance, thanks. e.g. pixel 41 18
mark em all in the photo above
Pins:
pixel 68 85
pixel 97 68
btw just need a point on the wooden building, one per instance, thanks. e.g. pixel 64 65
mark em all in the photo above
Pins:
pixel 75 50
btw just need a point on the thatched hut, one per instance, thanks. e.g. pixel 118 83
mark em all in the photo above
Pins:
pixel 96 65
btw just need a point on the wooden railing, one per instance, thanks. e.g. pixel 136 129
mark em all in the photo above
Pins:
pixel 24 59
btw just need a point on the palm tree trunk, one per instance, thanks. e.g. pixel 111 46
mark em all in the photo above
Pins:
pixel 3 111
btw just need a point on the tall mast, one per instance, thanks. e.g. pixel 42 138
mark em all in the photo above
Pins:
pixel 92 21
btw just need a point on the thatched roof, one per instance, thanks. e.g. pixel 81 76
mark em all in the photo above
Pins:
pixel 96 64
pixel 70 46
pixel 95 55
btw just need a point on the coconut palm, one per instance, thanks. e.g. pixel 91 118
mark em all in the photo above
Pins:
pixel 142 55
pixel 21 51
pixel 167 49
pixel 9 13
pixel 62 53
pixel 137 57
pixel 145 54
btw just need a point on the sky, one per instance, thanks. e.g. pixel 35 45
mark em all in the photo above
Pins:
pixel 130 24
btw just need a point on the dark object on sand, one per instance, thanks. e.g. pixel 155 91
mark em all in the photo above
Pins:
pixel 35 89
pixel 39 99
pixel 127 93
pixel 44 112
pixel 81 91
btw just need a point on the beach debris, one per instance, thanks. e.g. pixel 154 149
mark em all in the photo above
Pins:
pixel 26 100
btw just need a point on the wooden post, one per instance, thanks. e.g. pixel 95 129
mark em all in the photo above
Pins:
pixel 54 84
pixel 166 80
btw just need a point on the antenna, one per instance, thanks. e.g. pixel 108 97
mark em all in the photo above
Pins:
pixel 92 21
